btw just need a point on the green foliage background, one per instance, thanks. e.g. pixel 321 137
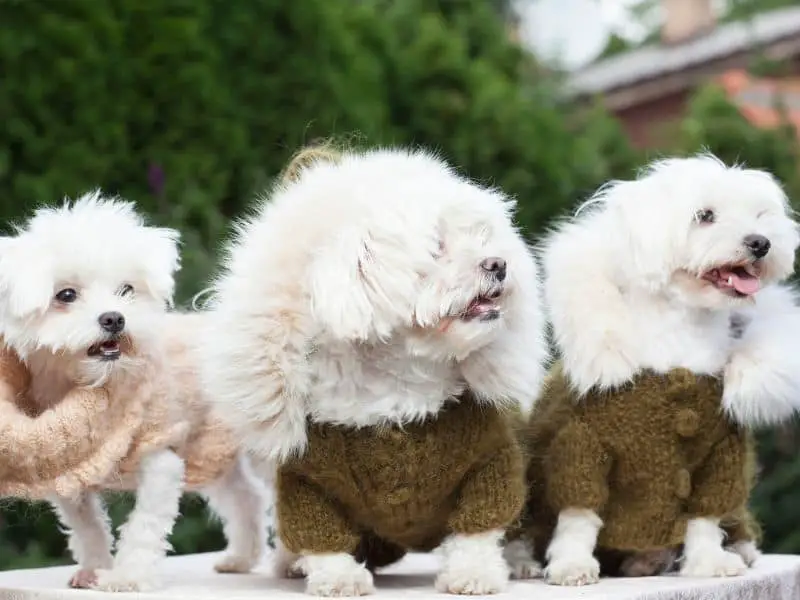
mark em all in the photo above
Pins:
pixel 217 95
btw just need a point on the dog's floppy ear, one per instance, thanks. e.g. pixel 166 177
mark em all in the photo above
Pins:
pixel 25 284
pixel 163 260
pixel 361 285
pixel 649 238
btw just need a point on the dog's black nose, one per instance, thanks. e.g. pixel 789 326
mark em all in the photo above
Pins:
pixel 757 244
pixel 112 322
pixel 496 266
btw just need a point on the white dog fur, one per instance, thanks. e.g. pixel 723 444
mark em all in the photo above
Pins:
pixel 101 249
pixel 342 299
pixel 625 290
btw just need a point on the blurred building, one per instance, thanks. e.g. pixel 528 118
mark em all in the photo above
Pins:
pixel 648 87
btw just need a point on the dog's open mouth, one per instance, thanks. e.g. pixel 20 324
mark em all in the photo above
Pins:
pixel 739 280
pixel 106 350
pixel 483 308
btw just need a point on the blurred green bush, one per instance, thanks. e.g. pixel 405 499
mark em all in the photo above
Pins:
pixel 191 107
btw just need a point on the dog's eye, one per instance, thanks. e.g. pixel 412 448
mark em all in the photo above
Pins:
pixel 704 216
pixel 126 290
pixel 67 296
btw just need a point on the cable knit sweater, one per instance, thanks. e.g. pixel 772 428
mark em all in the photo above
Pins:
pixel 378 491
pixel 94 438
pixel 646 458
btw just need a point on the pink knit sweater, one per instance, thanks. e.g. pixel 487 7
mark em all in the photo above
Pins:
pixel 95 437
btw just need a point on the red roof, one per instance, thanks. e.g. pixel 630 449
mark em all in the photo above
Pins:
pixel 760 99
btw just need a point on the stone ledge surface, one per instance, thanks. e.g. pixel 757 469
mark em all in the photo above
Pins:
pixel 774 577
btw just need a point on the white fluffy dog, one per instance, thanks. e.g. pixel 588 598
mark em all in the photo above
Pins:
pixel 84 291
pixel 649 275
pixel 369 292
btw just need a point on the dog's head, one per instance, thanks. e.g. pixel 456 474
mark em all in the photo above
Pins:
pixel 430 256
pixel 481 275
pixel 86 283
pixel 710 234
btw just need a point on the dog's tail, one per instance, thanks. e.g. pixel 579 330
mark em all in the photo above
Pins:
pixel 308 157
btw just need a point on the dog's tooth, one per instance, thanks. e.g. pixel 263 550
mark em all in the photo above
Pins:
pixel 730 279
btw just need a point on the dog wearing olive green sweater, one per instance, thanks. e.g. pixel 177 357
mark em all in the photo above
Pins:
pixel 676 338
pixel 676 456
pixel 356 309
pixel 382 491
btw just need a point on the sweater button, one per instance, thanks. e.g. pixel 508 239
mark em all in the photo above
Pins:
pixel 683 484
pixel 687 423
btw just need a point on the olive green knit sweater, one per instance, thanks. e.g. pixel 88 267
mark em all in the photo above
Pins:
pixel 646 458
pixel 401 488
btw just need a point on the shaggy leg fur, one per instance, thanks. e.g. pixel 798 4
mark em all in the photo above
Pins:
pixel 286 564
pixel 570 556
pixel 337 575
pixel 762 386
pixel 238 499
pixel 143 538
pixel 89 531
pixel 747 550
pixel 473 564
pixel 703 553
pixel 647 563
pixel 519 556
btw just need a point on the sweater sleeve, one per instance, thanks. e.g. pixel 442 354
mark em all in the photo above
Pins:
pixel 309 521
pixel 35 449
pixel 578 467
pixel 492 493
pixel 720 485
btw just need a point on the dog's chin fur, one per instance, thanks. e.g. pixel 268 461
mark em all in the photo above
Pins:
pixel 624 288
pixel 341 298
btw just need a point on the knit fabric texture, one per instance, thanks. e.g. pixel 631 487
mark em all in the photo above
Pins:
pixel 377 492
pixel 94 438
pixel 646 457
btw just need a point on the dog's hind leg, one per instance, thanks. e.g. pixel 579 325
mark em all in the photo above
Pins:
pixel 143 538
pixel 87 526
pixel 238 498
pixel 520 558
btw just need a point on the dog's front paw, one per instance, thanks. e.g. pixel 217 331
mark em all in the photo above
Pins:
pixel 337 576
pixel 747 550
pixel 235 563
pixel 573 571
pixel 720 563
pixel 83 579
pixel 124 580
pixel 467 580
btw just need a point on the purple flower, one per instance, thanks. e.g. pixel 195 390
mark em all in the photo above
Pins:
pixel 155 178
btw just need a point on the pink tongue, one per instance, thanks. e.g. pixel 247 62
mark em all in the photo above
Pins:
pixel 478 308
pixel 744 285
